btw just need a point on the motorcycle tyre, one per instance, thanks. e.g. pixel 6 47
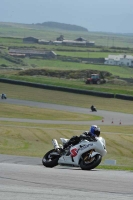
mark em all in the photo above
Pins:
pixel 94 110
pixel 51 163
pixel 95 163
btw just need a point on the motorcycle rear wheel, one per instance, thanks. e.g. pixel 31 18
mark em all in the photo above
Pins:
pixel 91 164
pixel 50 161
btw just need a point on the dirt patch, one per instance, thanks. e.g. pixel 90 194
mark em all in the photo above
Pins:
pixel 68 74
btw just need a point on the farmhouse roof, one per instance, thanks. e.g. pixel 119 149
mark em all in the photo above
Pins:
pixel 90 42
pixel 57 42
pixel 74 42
pixel 80 39
pixel 40 40
pixel 28 38
pixel 30 51
pixel 118 57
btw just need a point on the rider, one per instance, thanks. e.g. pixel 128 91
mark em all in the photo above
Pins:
pixel 92 133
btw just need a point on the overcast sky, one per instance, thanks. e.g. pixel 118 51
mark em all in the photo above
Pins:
pixel 95 15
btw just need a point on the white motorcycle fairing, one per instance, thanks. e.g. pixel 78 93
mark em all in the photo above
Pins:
pixel 87 154
pixel 76 152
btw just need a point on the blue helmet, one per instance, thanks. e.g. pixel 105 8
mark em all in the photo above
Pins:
pixel 95 130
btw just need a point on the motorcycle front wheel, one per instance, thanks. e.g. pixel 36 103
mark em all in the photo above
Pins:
pixel 50 160
pixel 90 163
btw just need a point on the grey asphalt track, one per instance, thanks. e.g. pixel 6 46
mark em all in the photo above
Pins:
pixel 108 116
pixel 26 177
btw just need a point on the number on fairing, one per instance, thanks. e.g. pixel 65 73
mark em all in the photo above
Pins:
pixel 74 152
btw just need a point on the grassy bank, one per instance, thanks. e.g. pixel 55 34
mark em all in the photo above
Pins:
pixel 27 139
pixel 65 98
pixel 115 86
pixel 25 112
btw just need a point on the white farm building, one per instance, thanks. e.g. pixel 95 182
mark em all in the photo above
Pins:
pixel 121 60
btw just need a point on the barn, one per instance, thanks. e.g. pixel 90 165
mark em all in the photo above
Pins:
pixel 30 40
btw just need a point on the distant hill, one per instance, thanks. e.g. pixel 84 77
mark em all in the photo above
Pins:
pixel 66 27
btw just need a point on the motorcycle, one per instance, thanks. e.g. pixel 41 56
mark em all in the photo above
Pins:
pixel 87 154
pixel 3 96
pixel 93 108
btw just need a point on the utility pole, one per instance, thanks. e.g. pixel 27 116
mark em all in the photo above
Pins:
pixel 107 40
pixel 113 41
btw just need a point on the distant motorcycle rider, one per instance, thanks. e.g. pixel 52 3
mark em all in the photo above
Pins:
pixel 93 108
pixel 92 133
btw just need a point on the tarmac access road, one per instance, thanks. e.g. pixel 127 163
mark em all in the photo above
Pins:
pixel 109 118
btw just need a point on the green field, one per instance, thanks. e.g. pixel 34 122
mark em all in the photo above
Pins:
pixel 122 72
pixel 84 54
pixel 104 39
pixel 10 67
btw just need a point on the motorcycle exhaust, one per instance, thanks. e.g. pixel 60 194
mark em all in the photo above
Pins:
pixel 55 144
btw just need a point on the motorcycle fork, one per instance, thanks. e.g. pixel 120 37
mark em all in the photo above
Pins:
pixel 88 157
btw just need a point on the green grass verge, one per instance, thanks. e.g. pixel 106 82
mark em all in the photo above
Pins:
pixel 119 168
pixel 27 139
